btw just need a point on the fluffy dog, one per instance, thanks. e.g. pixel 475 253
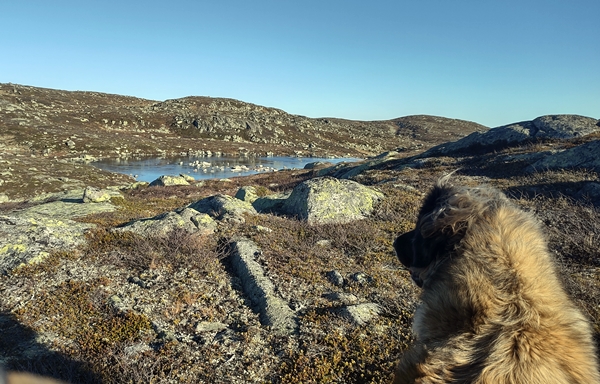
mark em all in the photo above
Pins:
pixel 492 308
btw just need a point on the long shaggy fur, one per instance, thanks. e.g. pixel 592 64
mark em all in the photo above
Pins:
pixel 493 310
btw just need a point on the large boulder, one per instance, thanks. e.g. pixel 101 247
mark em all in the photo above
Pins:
pixel 329 200
pixel 543 127
pixel 186 219
pixel 166 181
pixel 224 207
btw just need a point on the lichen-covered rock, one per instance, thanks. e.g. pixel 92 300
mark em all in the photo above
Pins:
pixel 247 193
pixel 224 207
pixel 96 195
pixel 329 200
pixel 166 181
pixel 583 156
pixel 543 127
pixel 187 219
pixel 274 311
pixel 26 240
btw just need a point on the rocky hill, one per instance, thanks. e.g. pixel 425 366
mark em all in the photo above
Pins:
pixel 286 277
pixel 47 136
pixel 61 123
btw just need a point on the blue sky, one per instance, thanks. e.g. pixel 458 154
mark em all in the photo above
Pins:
pixel 493 62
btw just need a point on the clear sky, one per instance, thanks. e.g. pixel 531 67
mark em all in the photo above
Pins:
pixel 490 61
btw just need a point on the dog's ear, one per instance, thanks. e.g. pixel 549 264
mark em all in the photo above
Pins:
pixel 404 248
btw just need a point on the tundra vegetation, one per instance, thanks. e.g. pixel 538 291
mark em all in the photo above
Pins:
pixel 123 307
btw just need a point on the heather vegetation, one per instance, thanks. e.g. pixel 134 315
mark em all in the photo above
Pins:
pixel 117 306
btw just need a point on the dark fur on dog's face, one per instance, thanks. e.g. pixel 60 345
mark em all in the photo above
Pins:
pixel 419 248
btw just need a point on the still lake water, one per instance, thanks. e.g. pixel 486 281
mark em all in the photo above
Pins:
pixel 151 169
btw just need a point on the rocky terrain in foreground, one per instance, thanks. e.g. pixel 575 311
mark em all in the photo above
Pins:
pixel 285 277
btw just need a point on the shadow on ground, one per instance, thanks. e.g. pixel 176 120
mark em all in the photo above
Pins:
pixel 19 351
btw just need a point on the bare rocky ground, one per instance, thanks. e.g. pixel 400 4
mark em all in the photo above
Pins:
pixel 243 291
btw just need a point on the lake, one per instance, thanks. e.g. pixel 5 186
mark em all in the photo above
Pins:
pixel 206 167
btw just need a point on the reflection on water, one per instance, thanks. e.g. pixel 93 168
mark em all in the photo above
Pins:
pixel 206 167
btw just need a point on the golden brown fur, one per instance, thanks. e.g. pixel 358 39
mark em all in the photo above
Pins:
pixel 493 310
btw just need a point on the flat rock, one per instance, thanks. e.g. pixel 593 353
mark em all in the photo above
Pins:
pixel 271 203
pixel 28 240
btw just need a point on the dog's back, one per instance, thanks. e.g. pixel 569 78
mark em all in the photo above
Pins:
pixel 493 309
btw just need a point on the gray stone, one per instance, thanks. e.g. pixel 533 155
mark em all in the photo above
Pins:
pixel 329 200
pixel 361 278
pixel 273 310
pixel 188 178
pixel 336 278
pixel 186 219
pixel 166 181
pixel 361 314
pixel 28 240
pixel 318 164
pixel 341 297
pixel 95 195
pixel 224 207
pixel 247 193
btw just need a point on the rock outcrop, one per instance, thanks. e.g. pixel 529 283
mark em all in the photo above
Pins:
pixel 186 219
pixel 585 156
pixel 543 127
pixel 273 310
pixel 30 235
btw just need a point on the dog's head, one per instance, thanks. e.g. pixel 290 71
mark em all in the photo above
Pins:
pixel 443 221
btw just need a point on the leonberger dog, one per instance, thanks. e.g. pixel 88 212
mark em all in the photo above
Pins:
pixel 492 309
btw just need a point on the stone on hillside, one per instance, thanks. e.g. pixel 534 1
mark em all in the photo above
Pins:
pixel 26 240
pixel 583 156
pixel 186 219
pixel 543 127
pixel 329 200
pixel 224 207
pixel 271 203
pixel 166 181
pixel 247 193
pixel 95 195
